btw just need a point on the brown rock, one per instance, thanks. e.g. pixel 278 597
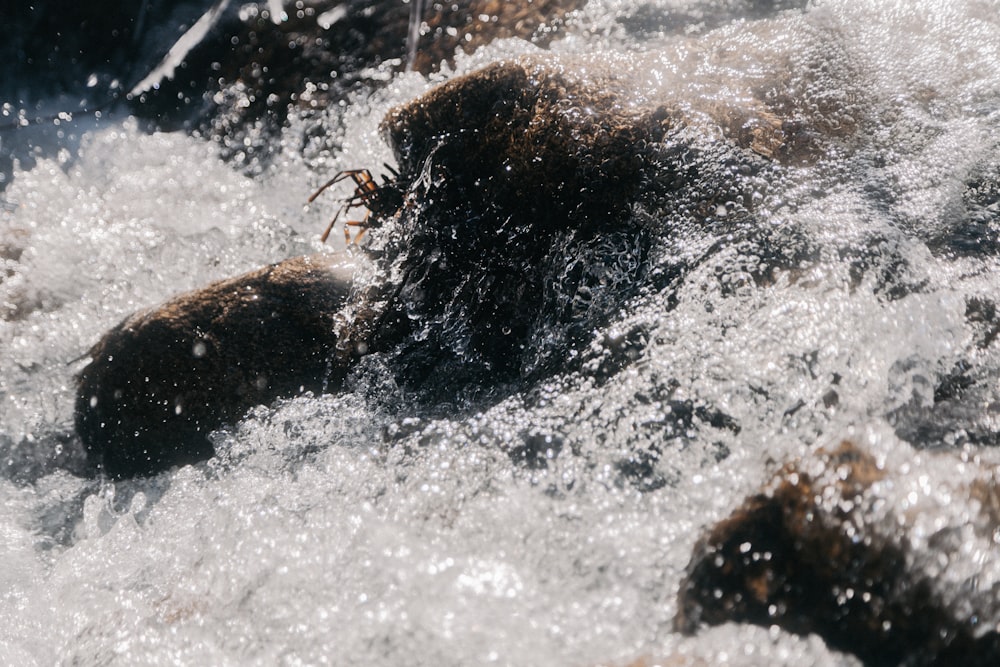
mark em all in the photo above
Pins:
pixel 473 24
pixel 164 378
pixel 805 554
pixel 517 236
pixel 514 233
pixel 538 136
pixel 507 238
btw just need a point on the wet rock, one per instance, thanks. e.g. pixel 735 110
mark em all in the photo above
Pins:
pixel 164 378
pixel 518 235
pixel 550 137
pixel 471 25
pixel 242 78
pixel 514 240
pixel 823 549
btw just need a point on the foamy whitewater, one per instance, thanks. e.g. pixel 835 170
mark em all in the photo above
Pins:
pixel 348 530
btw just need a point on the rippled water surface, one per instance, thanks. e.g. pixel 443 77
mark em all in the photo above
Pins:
pixel 553 526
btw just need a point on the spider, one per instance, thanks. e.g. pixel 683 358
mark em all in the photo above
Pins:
pixel 380 200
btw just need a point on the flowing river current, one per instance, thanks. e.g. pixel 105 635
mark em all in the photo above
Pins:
pixel 553 525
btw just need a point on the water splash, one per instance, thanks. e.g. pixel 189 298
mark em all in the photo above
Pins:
pixel 175 56
pixel 551 527
pixel 413 31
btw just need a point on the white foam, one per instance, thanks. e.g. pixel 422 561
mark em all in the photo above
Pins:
pixel 315 538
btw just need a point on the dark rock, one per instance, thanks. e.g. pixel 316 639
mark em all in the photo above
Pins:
pixel 163 379
pixel 809 555
pixel 518 235
pixel 533 136
pixel 252 68
pixel 504 264
pixel 515 239
pixel 471 25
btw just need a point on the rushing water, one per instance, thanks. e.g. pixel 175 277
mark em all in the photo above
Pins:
pixel 346 529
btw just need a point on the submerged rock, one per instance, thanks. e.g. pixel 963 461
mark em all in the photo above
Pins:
pixel 164 378
pixel 824 549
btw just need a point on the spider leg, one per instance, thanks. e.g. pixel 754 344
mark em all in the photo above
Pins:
pixel 336 179
pixel 391 170
pixel 363 224
pixel 333 221
pixel 365 193
pixel 355 174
